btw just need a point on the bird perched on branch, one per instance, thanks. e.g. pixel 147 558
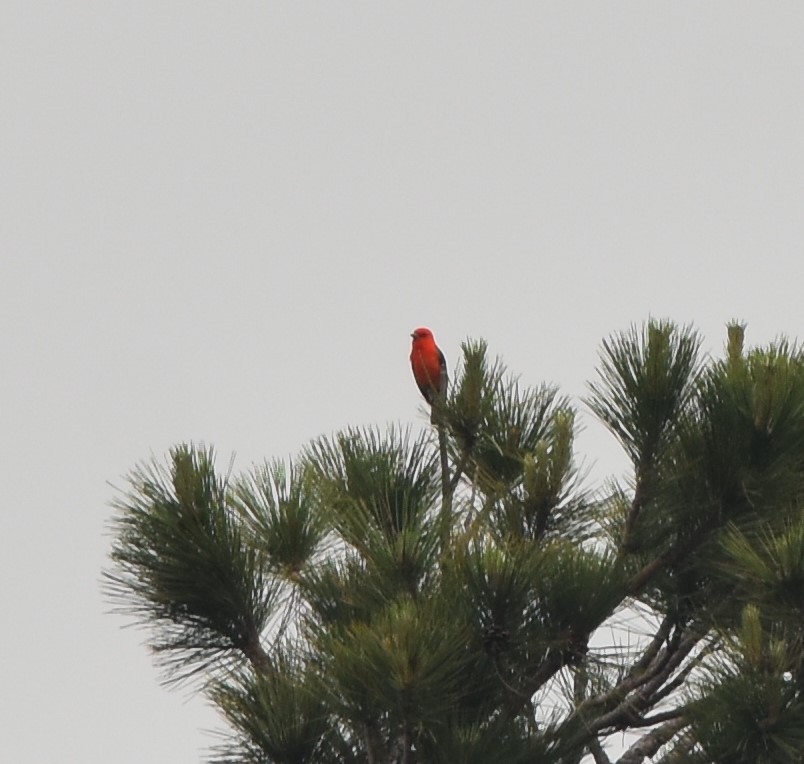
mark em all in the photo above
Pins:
pixel 429 368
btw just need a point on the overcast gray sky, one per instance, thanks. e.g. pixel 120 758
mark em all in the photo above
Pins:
pixel 220 222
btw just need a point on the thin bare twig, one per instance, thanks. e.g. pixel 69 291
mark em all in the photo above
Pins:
pixel 459 470
pixel 446 491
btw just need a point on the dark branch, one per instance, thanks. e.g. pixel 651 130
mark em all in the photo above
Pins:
pixel 637 503
pixel 664 716
pixel 459 470
pixel 624 705
pixel 638 581
pixel 552 664
pixel 681 750
pixel 642 672
pixel 647 745
pixel 256 655
pixel 446 490
pixel 653 648
pixel 597 752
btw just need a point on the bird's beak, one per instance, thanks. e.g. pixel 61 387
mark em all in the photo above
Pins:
pixel 413 335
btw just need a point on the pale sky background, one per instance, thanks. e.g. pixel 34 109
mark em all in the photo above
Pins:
pixel 220 222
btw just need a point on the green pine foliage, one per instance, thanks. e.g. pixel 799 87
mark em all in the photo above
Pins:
pixel 461 595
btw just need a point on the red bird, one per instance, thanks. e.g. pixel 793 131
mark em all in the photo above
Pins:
pixel 429 367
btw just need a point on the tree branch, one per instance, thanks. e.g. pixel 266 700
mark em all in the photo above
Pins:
pixel 446 490
pixel 636 507
pixel 681 750
pixel 552 663
pixel 459 470
pixel 662 633
pixel 669 663
pixel 373 743
pixel 664 716
pixel 256 655
pixel 642 672
pixel 648 571
pixel 599 755
pixel 664 662
pixel 622 706
pixel 648 744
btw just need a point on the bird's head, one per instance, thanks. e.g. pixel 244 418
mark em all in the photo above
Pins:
pixel 421 333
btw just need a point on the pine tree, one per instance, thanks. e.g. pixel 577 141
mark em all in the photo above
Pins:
pixel 393 598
